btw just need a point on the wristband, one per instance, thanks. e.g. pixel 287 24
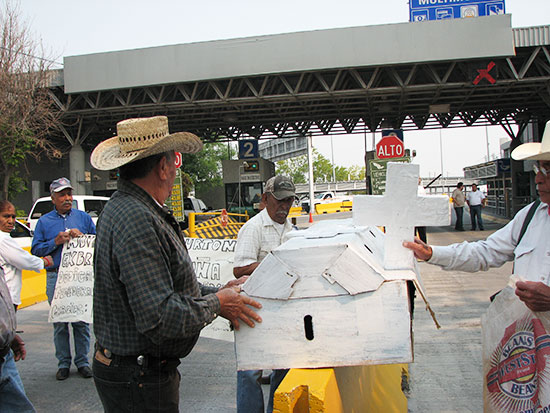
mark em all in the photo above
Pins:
pixel 48 261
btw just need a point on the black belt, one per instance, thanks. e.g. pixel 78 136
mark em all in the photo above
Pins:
pixel 141 360
pixel 4 351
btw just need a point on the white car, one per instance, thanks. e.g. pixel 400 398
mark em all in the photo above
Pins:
pixel 91 204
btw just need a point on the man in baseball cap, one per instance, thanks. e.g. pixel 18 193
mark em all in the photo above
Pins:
pixel 257 238
pixel 59 185
pixel 52 231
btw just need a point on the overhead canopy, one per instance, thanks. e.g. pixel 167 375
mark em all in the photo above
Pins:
pixel 412 75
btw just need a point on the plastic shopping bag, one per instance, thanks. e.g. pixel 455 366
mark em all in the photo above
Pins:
pixel 516 356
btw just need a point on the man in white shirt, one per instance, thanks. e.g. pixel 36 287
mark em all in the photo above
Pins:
pixel 476 200
pixel 531 253
pixel 257 238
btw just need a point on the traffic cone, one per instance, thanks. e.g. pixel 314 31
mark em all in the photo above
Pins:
pixel 310 217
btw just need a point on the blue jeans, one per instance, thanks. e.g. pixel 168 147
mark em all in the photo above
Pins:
pixel 12 394
pixel 250 398
pixel 132 388
pixel 475 211
pixel 81 334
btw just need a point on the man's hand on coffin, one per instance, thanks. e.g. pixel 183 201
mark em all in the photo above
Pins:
pixel 535 295
pixel 238 272
pixel 235 307
pixel 421 250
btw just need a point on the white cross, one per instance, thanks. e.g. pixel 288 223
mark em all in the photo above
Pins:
pixel 400 209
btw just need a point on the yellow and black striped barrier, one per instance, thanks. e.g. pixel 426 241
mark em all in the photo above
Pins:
pixel 222 225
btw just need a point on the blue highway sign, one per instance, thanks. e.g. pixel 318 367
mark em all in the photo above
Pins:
pixel 422 10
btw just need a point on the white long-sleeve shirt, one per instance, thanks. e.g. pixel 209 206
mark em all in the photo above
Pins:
pixel 531 257
pixel 14 259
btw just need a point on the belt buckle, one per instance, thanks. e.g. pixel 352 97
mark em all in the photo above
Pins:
pixel 140 360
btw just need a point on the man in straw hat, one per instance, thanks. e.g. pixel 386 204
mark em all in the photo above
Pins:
pixel 524 240
pixel 148 306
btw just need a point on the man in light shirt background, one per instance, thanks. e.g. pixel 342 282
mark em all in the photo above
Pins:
pixel 476 200
pixel 458 203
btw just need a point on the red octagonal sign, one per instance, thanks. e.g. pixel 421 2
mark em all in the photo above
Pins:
pixel 390 147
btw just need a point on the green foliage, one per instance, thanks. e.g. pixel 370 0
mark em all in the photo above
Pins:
pixel 205 168
pixel 16 185
pixel 297 169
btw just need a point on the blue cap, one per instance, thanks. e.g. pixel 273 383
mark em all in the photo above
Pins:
pixel 59 185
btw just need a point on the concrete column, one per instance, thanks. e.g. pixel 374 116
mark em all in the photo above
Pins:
pixel 77 163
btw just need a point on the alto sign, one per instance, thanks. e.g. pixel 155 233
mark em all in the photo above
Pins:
pixel 390 147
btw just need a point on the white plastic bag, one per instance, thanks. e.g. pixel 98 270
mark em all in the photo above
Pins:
pixel 516 356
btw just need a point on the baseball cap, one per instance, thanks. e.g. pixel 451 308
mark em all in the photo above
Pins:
pixel 280 187
pixel 60 184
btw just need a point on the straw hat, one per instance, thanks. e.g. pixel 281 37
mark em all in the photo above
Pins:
pixel 534 150
pixel 139 138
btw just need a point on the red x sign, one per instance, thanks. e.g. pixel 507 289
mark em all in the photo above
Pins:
pixel 484 74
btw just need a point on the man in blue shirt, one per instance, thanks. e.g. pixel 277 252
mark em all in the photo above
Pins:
pixel 52 231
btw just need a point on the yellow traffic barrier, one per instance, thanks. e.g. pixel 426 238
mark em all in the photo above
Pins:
pixel 369 389
pixel 333 207
pixel 214 227
pixel 295 211
pixel 33 289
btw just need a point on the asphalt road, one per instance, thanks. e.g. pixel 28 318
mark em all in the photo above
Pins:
pixel 445 377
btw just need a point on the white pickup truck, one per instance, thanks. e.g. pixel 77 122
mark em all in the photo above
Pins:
pixel 91 204
pixel 324 198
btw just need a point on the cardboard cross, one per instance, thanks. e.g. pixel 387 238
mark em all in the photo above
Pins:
pixel 400 209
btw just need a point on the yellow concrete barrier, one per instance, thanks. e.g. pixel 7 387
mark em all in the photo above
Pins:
pixel 333 207
pixel 295 211
pixel 368 389
pixel 34 287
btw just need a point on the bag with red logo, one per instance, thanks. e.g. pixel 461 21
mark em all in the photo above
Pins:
pixel 516 356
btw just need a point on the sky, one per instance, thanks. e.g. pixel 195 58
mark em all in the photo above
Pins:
pixel 75 27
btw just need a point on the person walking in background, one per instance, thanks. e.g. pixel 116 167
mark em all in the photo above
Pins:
pixel 13 258
pixel 52 231
pixel 458 202
pixel 257 238
pixel 476 200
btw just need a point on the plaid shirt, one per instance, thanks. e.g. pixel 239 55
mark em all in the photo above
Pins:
pixel 146 297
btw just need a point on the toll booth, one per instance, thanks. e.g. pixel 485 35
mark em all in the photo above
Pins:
pixel 243 182
pixel 496 174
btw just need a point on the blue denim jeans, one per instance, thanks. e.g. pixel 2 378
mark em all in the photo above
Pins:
pixel 81 334
pixel 250 398
pixel 12 393
pixel 475 211
pixel 131 388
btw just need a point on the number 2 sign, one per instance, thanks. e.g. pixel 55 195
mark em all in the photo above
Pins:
pixel 248 149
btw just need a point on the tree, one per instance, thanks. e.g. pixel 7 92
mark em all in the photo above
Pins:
pixel 27 113
pixel 205 167
pixel 297 169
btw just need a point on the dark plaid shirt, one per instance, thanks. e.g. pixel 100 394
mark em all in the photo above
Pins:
pixel 146 297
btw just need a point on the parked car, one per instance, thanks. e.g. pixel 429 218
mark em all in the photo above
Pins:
pixel 91 204
pixel 192 204
pixel 323 198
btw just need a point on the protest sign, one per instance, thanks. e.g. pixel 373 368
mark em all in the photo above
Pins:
pixel 213 264
pixel 73 296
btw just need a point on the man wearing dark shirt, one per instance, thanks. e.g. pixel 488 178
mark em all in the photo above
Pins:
pixel 148 306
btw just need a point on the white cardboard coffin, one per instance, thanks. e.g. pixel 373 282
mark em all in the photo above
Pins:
pixel 329 301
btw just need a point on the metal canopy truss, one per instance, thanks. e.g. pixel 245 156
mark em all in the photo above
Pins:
pixel 352 100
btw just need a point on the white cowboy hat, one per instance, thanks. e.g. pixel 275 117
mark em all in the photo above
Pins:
pixel 539 151
pixel 139 138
